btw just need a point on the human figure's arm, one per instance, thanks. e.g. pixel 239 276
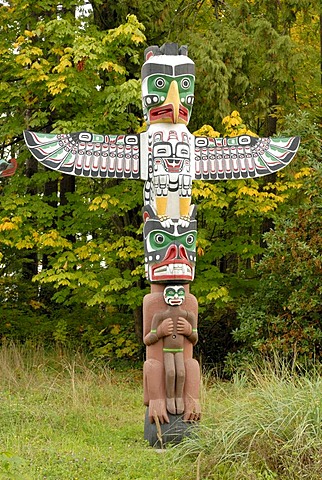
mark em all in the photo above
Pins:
pixel 159 328
pixel 188 327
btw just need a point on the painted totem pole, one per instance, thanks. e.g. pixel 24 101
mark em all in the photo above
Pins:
pixel 168 157
pixel 7 169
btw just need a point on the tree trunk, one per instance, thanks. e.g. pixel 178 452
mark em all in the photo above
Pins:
pixel 30 265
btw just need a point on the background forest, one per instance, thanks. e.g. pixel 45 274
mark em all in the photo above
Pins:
pixel 71 250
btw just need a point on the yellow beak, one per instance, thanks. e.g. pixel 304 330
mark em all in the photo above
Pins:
pixel 173 99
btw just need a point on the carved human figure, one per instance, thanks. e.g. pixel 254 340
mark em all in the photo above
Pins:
pixel 171 375
pixel 172 325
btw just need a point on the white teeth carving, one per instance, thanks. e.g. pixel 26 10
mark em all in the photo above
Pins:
pixel 173 268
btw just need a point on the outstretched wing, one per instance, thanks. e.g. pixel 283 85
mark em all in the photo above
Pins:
pixel 86 154
pixel 242 157
pixel 7 168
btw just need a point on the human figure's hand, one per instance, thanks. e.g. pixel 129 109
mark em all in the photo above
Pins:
pixel 166 328
pixel 157 408
pixel 184 327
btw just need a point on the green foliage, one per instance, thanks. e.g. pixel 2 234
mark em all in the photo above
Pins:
pixel 231 216
pixel 255 57
pixel 71 258
pixel 283 315
pixel 113 343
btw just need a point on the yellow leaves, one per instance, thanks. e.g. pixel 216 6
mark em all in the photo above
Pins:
pixel 112 67
pixel 55 87
pixel 88 252
pixel 245 190
pixel 125 249
pixel 304 172
pixel 219 293
pixel 200 251
pixel 26 242
pixel 267 208
pixel 65 62
pixel 82 252
pixel 52 239
pixel 10 224
pixel 103 201
pixel 25 38
pixel 35 51
pixel 252 199
pixel 36 305
pixel 115 330
pixel 234 126
pixel 132 28
pixel 213 193
pixel 131 31
pixel 139 270
pixel 233 119
pixel 57 50
pixel 23 60
pixel 20 41
pixel 29 33
pixel 142 128
pixel 207 131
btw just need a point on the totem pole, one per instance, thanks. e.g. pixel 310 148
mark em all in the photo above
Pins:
pixel 7 169
pixel 168 157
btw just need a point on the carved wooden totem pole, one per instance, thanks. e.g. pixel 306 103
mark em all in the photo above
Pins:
pixel 168 157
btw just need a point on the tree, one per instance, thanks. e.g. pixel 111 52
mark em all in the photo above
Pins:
pixel 283 316
pixel 69 76
pixel 61 73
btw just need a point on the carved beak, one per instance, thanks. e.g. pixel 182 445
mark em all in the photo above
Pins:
pixel 174 100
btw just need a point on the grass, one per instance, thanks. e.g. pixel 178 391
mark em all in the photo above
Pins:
pixel 64 417
pixel 263 426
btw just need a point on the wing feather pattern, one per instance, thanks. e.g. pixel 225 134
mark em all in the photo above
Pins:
pixel 242 157
pixel 7 169
pixel 86 154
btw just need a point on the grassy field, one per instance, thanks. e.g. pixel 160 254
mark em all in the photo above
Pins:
pixel 63 417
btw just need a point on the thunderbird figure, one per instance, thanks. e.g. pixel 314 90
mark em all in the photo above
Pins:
pixel 167 156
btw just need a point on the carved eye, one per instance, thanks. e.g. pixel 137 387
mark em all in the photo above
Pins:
pixel 181 292
pixel 159 82
pixel 170 292
pixel 159 238
pixel 190 239
pixel 185 83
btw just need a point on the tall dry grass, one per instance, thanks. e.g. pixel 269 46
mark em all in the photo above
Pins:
pixel 266 425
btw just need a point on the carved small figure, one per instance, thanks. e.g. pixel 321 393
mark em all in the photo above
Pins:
pixel 173 325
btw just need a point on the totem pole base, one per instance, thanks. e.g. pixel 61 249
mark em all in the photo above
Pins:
pixel 169 433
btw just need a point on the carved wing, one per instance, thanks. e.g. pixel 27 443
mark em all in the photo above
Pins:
pixel 242 157
pixel 7 168
pixel 86 154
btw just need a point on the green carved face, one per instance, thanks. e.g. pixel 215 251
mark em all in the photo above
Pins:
pixel 168 89
pixel 174 295
pixel 158 87
pixel 160 239
pixel 170 252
